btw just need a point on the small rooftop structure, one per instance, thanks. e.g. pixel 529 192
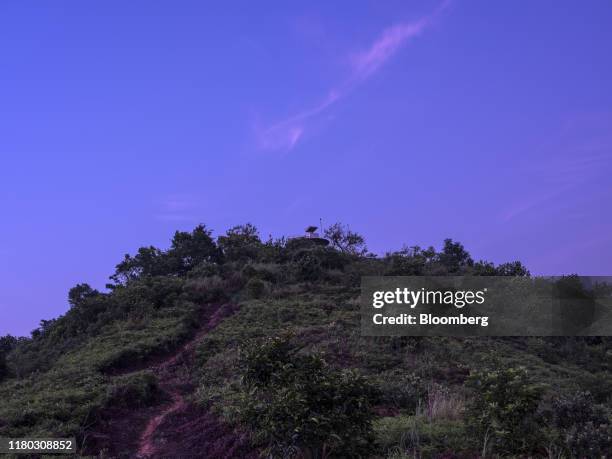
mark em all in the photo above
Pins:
pixel 311 232
pixel 311 237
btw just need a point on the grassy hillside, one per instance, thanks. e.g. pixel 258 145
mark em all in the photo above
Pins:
pixel 289 369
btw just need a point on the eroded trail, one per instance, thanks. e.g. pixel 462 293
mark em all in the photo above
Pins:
pixel 174 377
pixel 175 427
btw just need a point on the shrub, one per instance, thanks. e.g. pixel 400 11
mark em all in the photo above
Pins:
pixel 205 269
pixel 299 407
pixel 306 266
pixel 503 412
pixel 402 265
pixel 255 288
pixel 405 392
pixel 599 385
pixel 133 391
pixel 207 289
pixel 270 272
pixel 3 367
pixel 580 426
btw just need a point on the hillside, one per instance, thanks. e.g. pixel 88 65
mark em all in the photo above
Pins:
pixel 238 347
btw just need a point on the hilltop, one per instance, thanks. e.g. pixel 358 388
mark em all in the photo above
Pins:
pixel 236 347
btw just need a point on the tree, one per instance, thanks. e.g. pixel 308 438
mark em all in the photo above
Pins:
pixel 454 256
pixel 345 240
pixel 241 243
pixel 484 268
pixel 187 251
pixel 514 268
pixel 149 261
pixel 7 343
pixel 410 261
pixel 79 293
pixel 3 367
pixel 190 249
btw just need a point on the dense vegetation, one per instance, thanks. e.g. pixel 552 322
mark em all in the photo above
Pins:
pixel 291 368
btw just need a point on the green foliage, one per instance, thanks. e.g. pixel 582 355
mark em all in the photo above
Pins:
pixel 581 428
pixel 415 436
pixel 149 261
pixel 306 266
pixel 189 250
pixel 503 412
pixel 298 406
pixel 262 361
pixel 60 400
pixel 3 367
pixel 409 262
pixel 406 391
pixel 346 241
pixel 133 390
pixel 241 243
pixel 281 389
pixel 269 272
pixel 208 289
pixel 205 269
pixel 7 344
pixel 81 293
pixel 331 259
pixel 454 256
pixel 452 260
pixel 514 268
pixel 484 268
pixel 255 288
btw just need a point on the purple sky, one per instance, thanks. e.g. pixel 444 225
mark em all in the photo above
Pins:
pixel 120 122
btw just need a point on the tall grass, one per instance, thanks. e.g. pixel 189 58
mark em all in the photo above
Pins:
pixel 441 403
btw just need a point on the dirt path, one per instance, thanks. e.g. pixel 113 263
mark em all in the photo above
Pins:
pixel 174 427
pixel 147 445
pixel 174 376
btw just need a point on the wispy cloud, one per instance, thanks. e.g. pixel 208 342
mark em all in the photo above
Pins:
pixel 285 134
pixel 368 62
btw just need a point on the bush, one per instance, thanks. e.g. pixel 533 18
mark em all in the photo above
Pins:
pixel 255 288
pixel 580 427
pixel 306 266
pixel 405 392
pixel 503 412
pixel 133 391
pixel 204 269
pixel 3 367
pixel 299 407
pixel 207 289
pixel 270 272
